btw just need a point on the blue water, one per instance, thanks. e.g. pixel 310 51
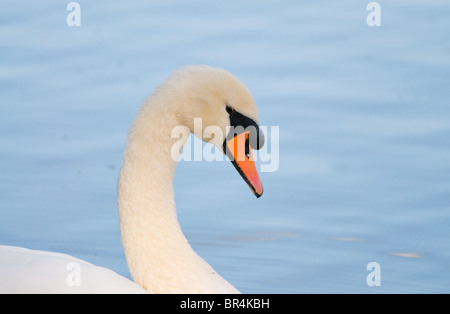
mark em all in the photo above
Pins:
pixel 363 114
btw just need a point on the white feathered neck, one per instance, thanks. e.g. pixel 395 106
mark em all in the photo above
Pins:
pixel 158 254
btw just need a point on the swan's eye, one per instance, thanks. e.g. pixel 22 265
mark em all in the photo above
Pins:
pixel 230 110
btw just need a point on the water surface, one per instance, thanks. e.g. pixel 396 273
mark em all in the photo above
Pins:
pixel 363 113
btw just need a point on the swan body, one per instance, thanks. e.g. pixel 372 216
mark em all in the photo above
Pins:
pixel 30 271
pixel 158 254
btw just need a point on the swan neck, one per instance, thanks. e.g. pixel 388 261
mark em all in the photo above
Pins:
pixel 159 256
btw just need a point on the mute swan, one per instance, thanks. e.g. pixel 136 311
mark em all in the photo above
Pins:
pixel 158 254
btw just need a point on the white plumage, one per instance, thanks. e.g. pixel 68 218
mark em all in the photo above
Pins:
pixel 30 271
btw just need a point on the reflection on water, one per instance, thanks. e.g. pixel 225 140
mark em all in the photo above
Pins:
pixel 406 254
pixel 363 114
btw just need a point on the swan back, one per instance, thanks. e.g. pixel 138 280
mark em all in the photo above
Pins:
pixel 30 271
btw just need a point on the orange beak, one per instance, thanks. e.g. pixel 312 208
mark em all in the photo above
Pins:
pixel 240 153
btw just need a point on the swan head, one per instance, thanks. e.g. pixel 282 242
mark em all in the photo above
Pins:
pixel 228 112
